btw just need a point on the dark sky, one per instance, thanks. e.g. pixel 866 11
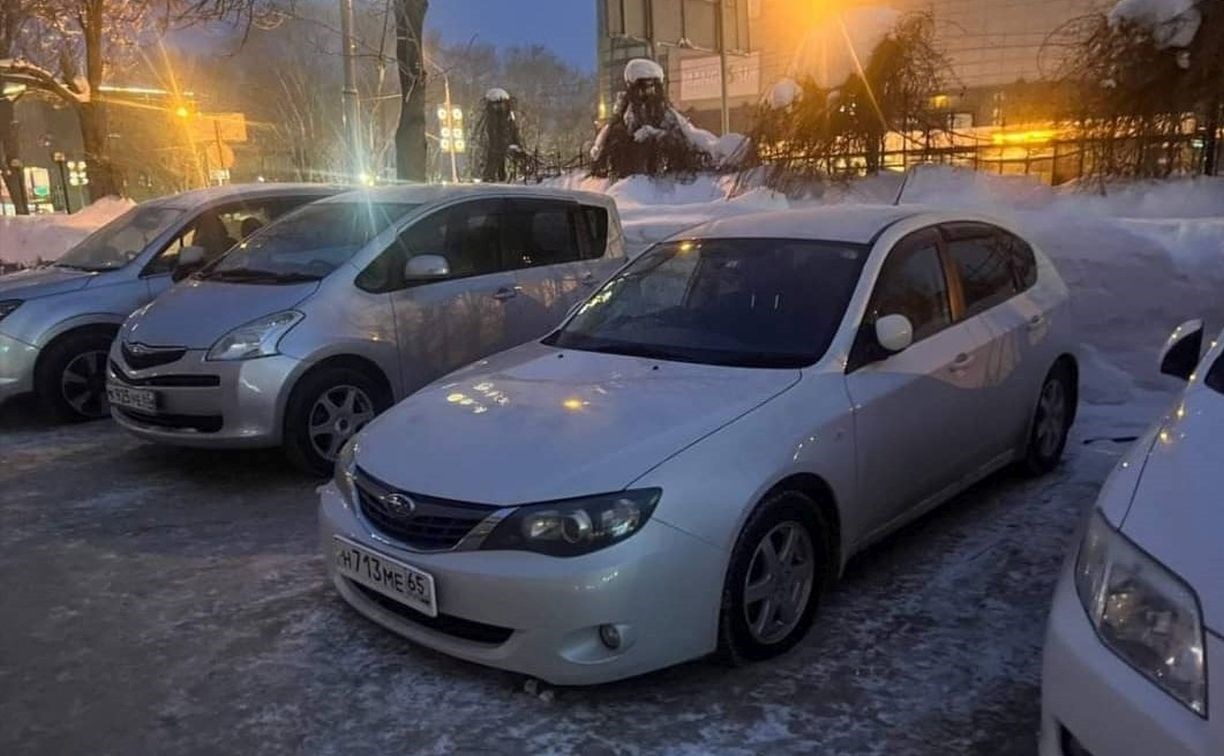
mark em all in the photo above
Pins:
pixel 565 26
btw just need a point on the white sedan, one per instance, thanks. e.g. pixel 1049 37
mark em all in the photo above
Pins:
pixel 687 463
pixel 1139 611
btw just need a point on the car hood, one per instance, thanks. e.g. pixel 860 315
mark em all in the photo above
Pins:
pixel 196 313
pixel 1175 514
pixel 42 282
pixel 539 424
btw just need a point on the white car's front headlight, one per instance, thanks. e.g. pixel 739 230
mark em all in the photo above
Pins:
pixel 1143 612
pixel 255 339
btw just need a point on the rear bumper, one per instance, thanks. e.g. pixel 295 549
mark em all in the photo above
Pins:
pixel 1090 694
pixel 17 360
pixel 539 615
pixel 208 404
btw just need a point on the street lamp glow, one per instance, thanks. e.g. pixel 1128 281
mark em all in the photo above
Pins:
pixel 181 111
pixel 457 114
pixel 441 113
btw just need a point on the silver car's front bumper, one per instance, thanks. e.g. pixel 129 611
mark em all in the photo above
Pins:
pixel 661 588
pixel 1088 693
pixel 17 360
pixel 208 404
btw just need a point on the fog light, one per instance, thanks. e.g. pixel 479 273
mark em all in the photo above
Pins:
pixel 610 636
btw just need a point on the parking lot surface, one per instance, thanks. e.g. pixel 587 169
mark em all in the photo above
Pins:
pixel 162 600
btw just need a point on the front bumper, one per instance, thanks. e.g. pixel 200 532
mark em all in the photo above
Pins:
pixel 661 588
pixel 208 404
pixel 1090 694
pixel 17 360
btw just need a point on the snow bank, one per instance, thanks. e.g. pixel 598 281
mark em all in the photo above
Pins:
pixel 30 239
pixel 1172 23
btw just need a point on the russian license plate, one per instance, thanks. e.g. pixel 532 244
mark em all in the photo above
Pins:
pixel 407 585
pixel 144 400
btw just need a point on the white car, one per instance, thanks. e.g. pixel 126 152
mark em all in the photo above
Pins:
pixel 1136 633
pixel 686 464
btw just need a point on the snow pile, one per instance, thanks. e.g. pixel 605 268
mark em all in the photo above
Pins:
pixel 31 239
pixel 1172 23
pixel 642 68
pixel 497 94
pixel 832 50
pixel 783 94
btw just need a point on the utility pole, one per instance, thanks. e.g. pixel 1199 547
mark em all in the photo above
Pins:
pixel 454 138
pixel 721 32
pixel 352 111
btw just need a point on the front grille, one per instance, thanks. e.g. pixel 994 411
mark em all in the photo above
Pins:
pixel 432 525
pixel 200 423
pixel 149 357
pixel 469 630
pixel 167 381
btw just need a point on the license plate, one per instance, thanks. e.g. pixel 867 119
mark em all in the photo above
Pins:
pixel 144 400
pixel 407 585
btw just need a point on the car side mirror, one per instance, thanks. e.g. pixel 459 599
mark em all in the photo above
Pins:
pixel 894 333
pixel 190 259
pixel 426 268
pixel 1182 352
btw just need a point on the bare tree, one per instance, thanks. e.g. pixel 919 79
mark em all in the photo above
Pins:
pixel 411 152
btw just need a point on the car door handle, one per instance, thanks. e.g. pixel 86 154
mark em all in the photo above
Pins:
pixel 961 363
pixel 505 292
pixel 1035 322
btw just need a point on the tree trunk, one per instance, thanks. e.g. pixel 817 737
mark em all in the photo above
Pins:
pixel 411 154
pixel 103 175
pixel 13 179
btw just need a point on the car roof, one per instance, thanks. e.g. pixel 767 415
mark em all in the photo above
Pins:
pixel 195 197
pixel 421 194
pixel 856 224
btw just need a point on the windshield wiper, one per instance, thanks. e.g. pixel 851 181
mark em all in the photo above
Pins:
pixel 249 275
pixel 85 268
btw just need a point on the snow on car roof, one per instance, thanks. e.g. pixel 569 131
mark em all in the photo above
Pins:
pixel 195 197
pixel 858 224
pixel 420 194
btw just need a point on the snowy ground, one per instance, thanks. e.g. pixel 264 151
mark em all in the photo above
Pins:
pixel 161 600
pixel 29 239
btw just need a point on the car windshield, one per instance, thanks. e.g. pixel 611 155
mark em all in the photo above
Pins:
pixel 740 302
pixel 122 240
pixel 308 244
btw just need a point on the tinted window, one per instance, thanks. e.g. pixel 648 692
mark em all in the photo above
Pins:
pixel 984 262
pixel 1215 376
pixel 1024 262
pixel 468 235
pixel 307 244
pixel 595 227
pixel 122 240
pixel 541 233
pixel 743 302
pixel 912 284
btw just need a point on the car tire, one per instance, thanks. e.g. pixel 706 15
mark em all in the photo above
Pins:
pixel 71 376
pixel 325 409
pixel 1051 424
pixel 746 631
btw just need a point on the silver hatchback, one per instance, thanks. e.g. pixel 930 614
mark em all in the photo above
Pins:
pixel 302 334
pixel 57 322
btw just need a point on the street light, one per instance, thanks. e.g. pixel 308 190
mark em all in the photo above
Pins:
pixel 450 128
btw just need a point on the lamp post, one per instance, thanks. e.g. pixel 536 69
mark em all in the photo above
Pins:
pixel 348 95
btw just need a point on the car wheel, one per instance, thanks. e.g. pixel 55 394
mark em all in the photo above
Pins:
pixel 779 569
pixel 1051 422
pixel 71 378
pixel 325 410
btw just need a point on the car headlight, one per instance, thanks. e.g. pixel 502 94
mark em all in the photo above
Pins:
pixel 576 526
pixel 255 339
pixel 346 472
pixel 1142 612
pixel 7 306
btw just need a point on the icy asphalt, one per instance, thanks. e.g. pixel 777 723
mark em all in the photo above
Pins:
pixel 167 601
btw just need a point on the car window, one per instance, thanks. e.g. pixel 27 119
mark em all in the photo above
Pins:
pixel 912 283
pixel 541 232
pixel 984 261
pixel 468 235
pixel 122 240
pixel 595 228
pixel 1024 262
pixel 218 229
pixel 770 303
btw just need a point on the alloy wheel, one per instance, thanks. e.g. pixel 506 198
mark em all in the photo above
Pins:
pixel 1051 418
pixel 779 582
pixel 83 384
pixel 339 413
